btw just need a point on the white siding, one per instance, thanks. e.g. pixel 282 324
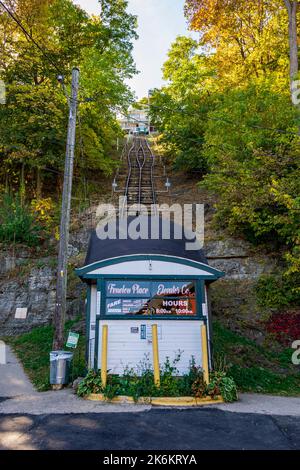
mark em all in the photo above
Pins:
pixel 91 345
pixel 153 268
pixel 128 349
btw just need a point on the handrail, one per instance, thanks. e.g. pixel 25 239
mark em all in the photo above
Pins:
pixel 128 179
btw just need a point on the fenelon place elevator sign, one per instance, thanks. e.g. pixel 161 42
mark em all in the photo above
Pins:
pixel 155 298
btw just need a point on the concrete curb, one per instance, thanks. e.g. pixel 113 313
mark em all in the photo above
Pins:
pixel 157 401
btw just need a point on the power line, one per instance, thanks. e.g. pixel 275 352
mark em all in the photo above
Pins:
pixel 29 36
pixel 227 121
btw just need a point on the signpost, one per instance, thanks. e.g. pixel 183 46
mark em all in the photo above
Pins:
pixel 72 340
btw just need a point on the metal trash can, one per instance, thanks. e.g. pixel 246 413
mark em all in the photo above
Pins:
pixel 60 364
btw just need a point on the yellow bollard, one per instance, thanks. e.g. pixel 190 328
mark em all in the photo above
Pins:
pixel 104 355
pixel 155 356
pixel 205 365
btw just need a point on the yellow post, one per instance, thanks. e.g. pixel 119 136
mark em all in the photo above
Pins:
pixel 155 356
pixel 205 365
pixel 104 355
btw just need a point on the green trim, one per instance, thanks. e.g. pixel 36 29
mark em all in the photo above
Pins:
pixel 96 348
pixel 199 297
pixel 216 274
pixel 100 288
pixel 88 324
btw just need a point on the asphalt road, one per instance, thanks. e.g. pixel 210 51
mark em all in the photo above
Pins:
pixel 161 429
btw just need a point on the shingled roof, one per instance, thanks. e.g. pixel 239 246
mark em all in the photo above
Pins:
pixel 100 250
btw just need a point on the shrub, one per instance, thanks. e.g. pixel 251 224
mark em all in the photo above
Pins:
pixel 43 211
pixel 277 291
pixel 141 383
pixel 222 385
pixel 91 384
pixel 285 326
pixel 17 224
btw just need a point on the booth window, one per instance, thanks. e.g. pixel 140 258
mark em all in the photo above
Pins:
pixel 151 298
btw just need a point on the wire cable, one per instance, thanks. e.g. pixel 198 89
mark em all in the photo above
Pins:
pixel 29 36
pixel 227 121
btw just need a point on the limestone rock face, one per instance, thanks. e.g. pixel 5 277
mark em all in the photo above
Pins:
pixel 233 297
pixel 237 259
pixel 31 283
pixel 228 248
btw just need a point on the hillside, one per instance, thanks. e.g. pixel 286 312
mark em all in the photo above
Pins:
pixel 242 340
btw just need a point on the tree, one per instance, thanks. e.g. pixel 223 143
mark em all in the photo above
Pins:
pixel 247 36
pixel 36 106
pixel 292 7
pixel 179 109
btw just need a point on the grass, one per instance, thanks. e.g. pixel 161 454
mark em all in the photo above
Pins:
pixel 256 368
pixel 33 350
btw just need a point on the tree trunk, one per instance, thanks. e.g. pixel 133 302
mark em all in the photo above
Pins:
pixel 22 184
pixel 6 183
pixel 293 40
pixel 38 184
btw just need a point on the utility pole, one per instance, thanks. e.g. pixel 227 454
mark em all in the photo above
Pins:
pixel 62 266
pixel 150 93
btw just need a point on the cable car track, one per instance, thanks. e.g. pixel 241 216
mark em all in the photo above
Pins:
pixel 140 187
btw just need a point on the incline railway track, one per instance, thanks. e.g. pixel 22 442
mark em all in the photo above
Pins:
pixel 140 193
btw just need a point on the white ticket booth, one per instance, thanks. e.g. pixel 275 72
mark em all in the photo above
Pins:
pixel 133 284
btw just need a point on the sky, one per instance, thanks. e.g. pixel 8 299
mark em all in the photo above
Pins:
pixel 160 22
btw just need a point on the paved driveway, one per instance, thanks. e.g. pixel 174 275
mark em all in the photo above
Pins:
pixel 155 429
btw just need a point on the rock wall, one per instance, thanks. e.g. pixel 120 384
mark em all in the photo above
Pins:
pixel 237 259
pixel 27 281
pixel 233 297
pixel 30 282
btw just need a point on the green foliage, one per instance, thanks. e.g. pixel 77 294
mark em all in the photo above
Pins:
pixel 17 224
pixel 278 291
pixel 36 107
pixel 222 385
pixel 226 112
pixel 262 380
pixel 247 161
pixel 140 383
pixel 179 110
pixel 91 384
pixel 255 368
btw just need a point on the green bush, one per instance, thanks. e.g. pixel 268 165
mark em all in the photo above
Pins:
pixel 278 291
pixel 17 224
pixel 141 383
pixel 222 385
pixel 91 384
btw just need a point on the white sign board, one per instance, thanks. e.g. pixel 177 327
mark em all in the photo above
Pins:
pixel 2 352
pixel 21 313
